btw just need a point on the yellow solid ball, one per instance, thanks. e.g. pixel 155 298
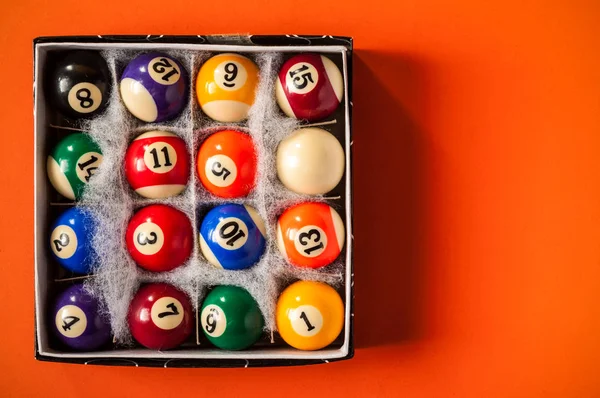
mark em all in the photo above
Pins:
pixel 309 315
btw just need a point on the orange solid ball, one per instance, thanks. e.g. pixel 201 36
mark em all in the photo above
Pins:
pixel 227 164
pixel 310 235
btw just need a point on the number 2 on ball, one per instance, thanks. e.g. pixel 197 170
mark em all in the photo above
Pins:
pixel 62 241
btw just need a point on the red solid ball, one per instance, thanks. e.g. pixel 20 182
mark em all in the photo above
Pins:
pixel 157 165
pixel 159 238
pixel 227 164
pixel 160 316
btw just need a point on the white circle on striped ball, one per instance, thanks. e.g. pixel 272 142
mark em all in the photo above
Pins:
pixel 230 75
pixel 310 241
pixel 302 78
pixel 309 86
pixel 87 164
pixel 310 161
pixel 164 71
pixel 231 233
pixel 160 157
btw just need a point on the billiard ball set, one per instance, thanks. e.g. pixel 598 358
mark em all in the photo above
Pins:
pixel 193 200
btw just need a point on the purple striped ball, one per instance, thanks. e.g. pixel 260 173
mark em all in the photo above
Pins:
pixel 154 87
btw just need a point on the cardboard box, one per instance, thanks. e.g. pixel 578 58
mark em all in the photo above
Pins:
pixel 48 204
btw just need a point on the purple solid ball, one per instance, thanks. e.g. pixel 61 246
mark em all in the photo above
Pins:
pixel 154 87
pixel 76 321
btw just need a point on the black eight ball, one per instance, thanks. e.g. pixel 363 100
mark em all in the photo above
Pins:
pixel 78 84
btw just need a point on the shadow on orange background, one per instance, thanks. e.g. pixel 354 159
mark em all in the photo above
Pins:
pixel 389 200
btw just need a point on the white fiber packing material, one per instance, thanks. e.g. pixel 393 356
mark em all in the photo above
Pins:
pixel 112 202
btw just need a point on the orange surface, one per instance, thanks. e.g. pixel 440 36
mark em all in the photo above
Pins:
pixel 477 172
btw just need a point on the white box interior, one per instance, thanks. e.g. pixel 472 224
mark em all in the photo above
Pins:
pixel 42 204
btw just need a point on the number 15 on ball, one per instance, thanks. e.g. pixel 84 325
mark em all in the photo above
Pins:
pixel 309 86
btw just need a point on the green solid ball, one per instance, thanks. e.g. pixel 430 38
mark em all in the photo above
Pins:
pixel 72 164
pixel 230 318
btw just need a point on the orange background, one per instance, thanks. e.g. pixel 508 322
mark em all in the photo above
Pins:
pixel 477 176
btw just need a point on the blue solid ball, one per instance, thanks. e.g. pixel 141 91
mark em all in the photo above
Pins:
pixel 232 236
pixel 71 240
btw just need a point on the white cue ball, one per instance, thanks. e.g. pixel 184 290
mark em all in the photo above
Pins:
pixel 310 161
